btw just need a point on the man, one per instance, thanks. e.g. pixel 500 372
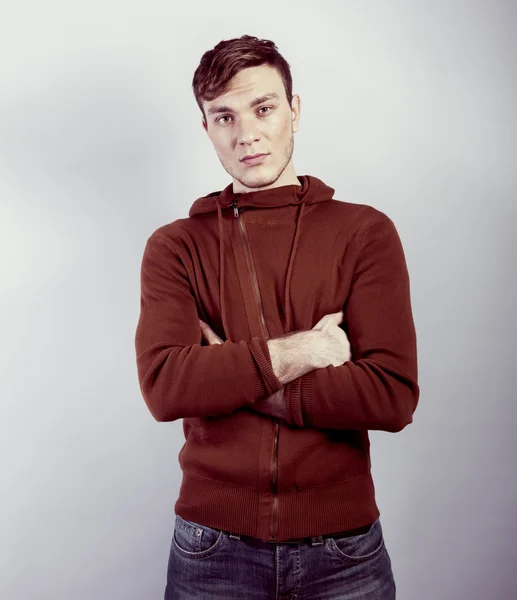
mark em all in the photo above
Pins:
pixel 276 322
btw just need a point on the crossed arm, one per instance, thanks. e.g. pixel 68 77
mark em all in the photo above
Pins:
pixel 376 390
pixel 325 344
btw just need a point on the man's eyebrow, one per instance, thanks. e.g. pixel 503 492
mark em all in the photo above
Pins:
pixel 223 108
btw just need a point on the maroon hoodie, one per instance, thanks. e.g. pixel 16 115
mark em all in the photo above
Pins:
pixel 254 266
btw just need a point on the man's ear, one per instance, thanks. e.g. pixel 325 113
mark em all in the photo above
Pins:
pixel 295 112
pixel 203 122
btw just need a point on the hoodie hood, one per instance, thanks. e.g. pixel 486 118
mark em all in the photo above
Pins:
pixel 311 191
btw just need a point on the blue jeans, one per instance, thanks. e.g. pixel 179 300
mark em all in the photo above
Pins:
pixel 206 564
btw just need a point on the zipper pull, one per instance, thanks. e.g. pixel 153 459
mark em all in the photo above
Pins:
pixel 236 207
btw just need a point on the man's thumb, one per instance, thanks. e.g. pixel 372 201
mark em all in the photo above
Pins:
pixel 338 317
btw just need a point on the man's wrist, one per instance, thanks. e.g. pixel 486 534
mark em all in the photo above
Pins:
pixel 292 355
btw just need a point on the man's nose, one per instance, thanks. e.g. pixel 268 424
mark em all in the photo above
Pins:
pixel 247 133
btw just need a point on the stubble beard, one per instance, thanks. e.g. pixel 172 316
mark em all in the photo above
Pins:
pixel 265 180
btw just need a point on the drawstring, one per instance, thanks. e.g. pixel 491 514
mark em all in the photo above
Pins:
pixel 221 269
pixel 287 307
pixel 290 270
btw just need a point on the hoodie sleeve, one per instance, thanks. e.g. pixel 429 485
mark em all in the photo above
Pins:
pixel 178 376
pixel 378 388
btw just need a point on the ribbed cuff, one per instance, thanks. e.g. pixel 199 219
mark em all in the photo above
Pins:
pixel 306 396
pixel 259 348
pixel 292 400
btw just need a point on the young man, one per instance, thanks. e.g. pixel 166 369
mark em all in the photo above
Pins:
pixel 276 322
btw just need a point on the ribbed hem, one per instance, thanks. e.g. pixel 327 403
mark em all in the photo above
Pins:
pixel 259 348
pixel 301 513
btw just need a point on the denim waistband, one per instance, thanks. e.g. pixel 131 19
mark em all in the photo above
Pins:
pixel 317 540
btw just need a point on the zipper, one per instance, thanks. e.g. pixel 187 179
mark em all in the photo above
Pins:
pixel 252 268
pixel 274 466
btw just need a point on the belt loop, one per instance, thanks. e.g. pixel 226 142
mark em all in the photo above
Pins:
pixel 235 536
pixel 317 540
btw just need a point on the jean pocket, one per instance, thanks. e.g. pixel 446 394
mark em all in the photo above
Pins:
pixel 358 548
pixel 193 540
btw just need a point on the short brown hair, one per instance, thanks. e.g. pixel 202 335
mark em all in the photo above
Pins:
pixel 218 66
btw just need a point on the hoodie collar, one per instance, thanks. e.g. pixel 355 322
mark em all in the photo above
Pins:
pixel 311 191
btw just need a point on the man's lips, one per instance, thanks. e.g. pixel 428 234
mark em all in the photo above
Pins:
pixel 254 159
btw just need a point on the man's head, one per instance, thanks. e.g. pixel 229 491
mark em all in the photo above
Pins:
pixel 230 85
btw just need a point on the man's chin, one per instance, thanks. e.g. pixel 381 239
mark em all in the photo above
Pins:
pixel 258 180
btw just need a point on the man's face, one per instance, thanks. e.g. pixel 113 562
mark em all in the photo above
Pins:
pixel 237 129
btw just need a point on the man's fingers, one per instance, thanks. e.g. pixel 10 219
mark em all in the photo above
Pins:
pixel 330 319
pixel 210 336
pixel 337 317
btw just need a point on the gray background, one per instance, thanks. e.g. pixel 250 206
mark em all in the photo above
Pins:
pixel 407 106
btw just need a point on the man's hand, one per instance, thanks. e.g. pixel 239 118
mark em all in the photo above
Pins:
pixel 274 405
pixel 210 335
pixel 335 350
pixel 295 354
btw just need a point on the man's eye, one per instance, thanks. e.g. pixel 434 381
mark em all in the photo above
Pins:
pixel 228 116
